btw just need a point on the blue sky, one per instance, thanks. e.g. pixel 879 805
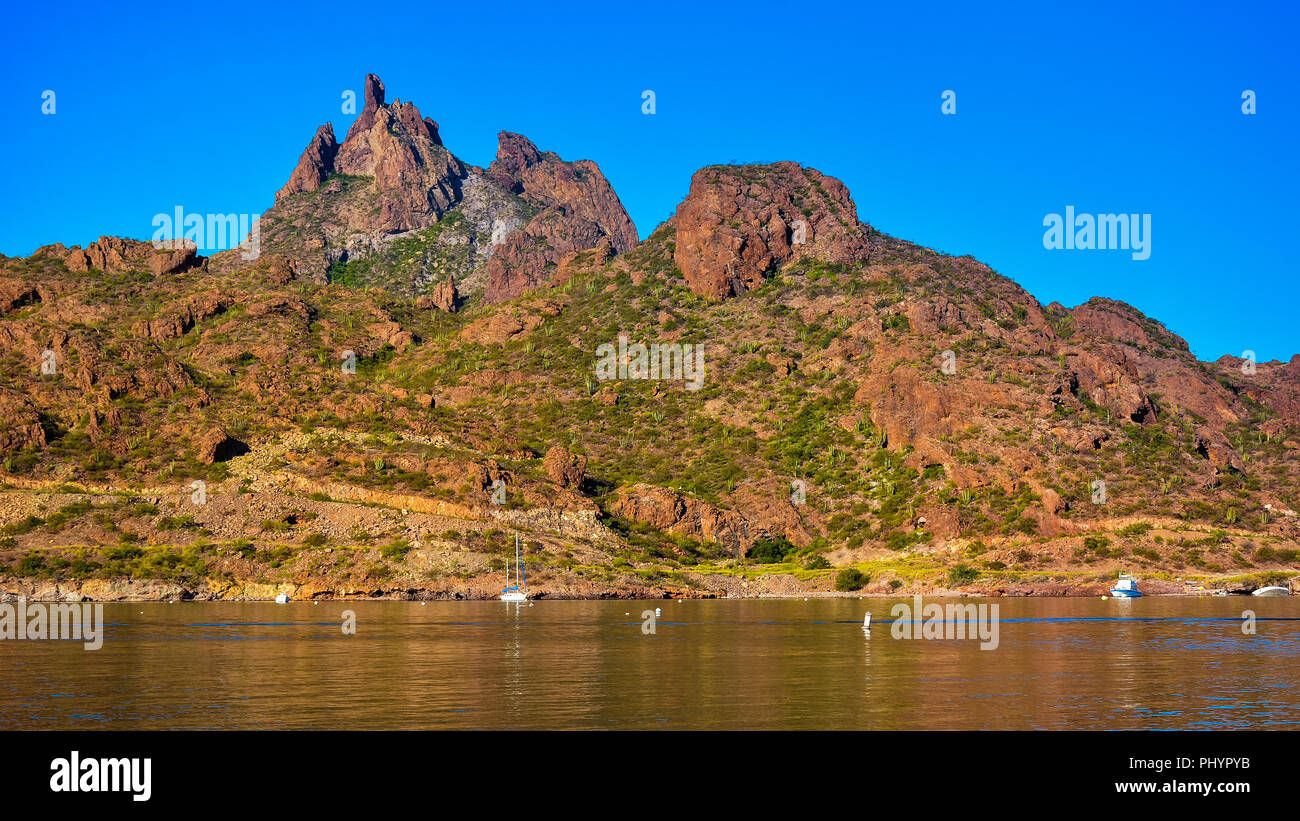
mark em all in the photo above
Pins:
pixel 1109 107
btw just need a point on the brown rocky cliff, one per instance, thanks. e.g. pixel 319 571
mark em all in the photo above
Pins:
pixel 578 188
pixel 739 223
pixel 580 212
pixel 315 164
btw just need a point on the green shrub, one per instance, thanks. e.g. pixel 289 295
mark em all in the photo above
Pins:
pixel 1095 542
pixel 1136 529
pixel 850 578
pixel 961 575
pixel 771 551
pixel 33 564
pixel 395 551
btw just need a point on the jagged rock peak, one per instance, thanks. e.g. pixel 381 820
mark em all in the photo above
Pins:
pixel 578 188
pixel 515 154
pixel 315 164
pixel 415 179
pixel 374 100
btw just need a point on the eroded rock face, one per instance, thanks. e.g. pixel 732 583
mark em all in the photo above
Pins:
pixel 315 164
pixel 444 296
pixel 580 212
pixel 682 515
pixel 1213 445
pixel 15 294
pixel 579 189
pixel 217 446
pixel 565 469
pixel 177 320
pixel 529 258
pixel 739 223
pixel 20 423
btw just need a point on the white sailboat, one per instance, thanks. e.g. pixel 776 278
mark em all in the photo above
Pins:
pixel 519 591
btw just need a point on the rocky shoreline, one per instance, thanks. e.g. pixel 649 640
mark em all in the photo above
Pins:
pixel 128 590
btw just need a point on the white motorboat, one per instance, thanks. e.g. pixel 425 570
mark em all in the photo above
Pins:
pixel 1125 588
pixel 1272 590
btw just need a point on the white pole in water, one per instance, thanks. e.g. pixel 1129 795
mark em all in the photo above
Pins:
pixel 866 621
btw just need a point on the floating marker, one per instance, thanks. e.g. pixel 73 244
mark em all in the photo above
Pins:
pixel 866 621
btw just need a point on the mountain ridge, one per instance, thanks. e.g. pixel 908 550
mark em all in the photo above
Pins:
pixel 418 334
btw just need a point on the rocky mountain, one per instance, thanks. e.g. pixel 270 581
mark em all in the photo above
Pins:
pixel 392 207
pixel 410 370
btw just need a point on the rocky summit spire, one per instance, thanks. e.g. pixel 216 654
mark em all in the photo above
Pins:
pixel 374 100
pixel 394 175
pixel 415 180
pixel 515 154
pixel 315 164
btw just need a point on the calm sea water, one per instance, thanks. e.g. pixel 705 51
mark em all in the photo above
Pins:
pixel 764 664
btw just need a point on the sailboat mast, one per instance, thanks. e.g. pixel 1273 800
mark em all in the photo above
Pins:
pixel 519 562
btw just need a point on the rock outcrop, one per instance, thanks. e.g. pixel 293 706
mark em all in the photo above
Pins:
pixel 315 164
pixel 740 223
pixel 20 423
pixel 116 254
pixel 414 179
pixel 565 469
pixel 580 212
pixel 579 189
pixel 445 296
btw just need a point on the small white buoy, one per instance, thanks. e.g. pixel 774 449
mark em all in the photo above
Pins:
pixel 422 604
pixel 1103 598
pixel 866 621
pixel 658 612
pixel 282 598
